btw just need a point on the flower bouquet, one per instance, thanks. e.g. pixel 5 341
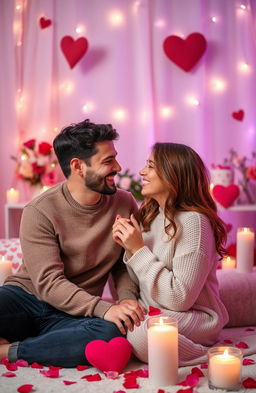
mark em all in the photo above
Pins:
pixel 127 181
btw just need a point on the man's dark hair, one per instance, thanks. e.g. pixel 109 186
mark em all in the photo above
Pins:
pixel 78 140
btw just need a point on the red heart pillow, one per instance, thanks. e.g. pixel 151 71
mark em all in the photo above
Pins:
pixel 73 50
pixel 225 195
pixel 109 356
pixel 185 53
pixel 239 115
pixel 45 22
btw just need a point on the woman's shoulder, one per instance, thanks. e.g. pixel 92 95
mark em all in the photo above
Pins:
pixel 193 218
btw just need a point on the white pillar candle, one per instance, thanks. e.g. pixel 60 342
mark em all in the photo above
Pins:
pixel 228 263
pixel 5 269
pixel 12 195
pixel 162 351
pixel 224 368
pixel 245 250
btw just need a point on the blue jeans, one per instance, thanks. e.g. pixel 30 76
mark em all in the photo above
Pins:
pixel 41 333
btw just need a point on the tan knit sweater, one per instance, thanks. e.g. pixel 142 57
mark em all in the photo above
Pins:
pixel 68 251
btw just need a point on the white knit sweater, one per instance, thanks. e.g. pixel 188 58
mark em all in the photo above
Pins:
pixel 179 277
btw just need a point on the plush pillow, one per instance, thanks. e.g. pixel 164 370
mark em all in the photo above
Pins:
pixel 238 293
pixel 10 249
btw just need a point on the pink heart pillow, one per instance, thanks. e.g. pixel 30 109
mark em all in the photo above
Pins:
pixel 109 356
pixel 225 195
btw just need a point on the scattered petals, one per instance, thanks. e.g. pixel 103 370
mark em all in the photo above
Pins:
pixel 191 380
pixel 247 362
pixel 249 329
pixel 197 371
pixel 131 383
pixel 249 383
pixel 36 365
pixel 189 390
pixel 204 365
pixel 22 363
pixel 161 391
pixel 69 382
pixel 92 377
pixel 111 374
pixel 50 373
pixel 55 368
pixel 9 374
pixel 4 361
pixel 142 373
pixel 242 345
pixel 228 341
pixel 130 374
pixel 81 367
pixel 119 391
pixel 154 311
pixel 11 366
pixel 25 388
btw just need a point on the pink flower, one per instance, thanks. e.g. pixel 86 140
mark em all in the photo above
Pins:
pixel 251 172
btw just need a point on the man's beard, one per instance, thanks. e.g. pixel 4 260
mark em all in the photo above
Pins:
pixel 98 183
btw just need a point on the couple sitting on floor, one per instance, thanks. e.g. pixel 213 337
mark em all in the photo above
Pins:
pixel 163 254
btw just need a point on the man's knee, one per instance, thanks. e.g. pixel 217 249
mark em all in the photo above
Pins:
pixel 106 330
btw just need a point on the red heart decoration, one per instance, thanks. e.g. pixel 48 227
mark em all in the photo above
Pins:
pixel 109 356
pixel 45 22
pixel 73 50
pixel 226 195
pixel 239 115
pixel 185 53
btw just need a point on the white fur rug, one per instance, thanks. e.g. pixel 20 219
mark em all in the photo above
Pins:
pixel 42 384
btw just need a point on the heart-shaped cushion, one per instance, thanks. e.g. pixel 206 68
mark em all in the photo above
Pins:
pixel 109 356
pixel 45 22
pixel 73 50
pixel 185 53
pixel 225 195
pixel 238 115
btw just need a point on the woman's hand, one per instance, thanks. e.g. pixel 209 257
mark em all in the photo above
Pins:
pixel 127 233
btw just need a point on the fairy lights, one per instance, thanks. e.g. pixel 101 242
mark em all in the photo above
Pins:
pixel 244 67
pixel 166 112
pixel 218 85
pixel 119 114
pixel 192 101
pixel 116 18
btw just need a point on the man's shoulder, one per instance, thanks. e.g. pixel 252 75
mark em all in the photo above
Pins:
pixel 47 197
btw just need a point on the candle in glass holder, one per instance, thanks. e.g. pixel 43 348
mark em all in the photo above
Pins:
pixel 162 351
pixel 5 269
pixel 245 249
pixel 12 195
pixel 224 368
pixel 228 263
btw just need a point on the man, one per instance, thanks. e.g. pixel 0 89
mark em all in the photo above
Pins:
pixel 52 307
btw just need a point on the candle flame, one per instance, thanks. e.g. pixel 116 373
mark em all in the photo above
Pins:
pixel 161 321
pixel 226 354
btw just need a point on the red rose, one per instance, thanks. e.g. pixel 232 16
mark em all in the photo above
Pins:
pixel 44 148
pixel 30 144
pixel 251 173
pixel 38 169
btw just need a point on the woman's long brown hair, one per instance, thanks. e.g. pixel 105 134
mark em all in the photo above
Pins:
pixel 187 178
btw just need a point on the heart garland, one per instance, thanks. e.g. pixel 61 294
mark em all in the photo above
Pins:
pixel 73 50
pixel 185 53
pixel 109 356
pixel 238 115
pixel 44 22
pixel 225 195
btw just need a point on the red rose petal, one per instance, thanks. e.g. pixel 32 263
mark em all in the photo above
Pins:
pixel 197 371
pixel 50 373
pixel 68 382
pixel 130 384
pixel 25 388
pixel 249 383
pixel 242 345
pixel 189 390
pixel 204 365
pixel 81 367
pixel 249 329
pixel 228 341
pixel 191 380
pixel 55 368
pixel 154 311
pixel 247 362
pixel 92 377
pixel 4 361
pixel 161 391
pixel 8 374
pixel 130 374
pixel 22 363
pixel 11 366
pixel 119 391
pixel 142 373
pixel 36 365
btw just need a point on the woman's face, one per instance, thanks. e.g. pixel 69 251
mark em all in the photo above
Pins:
pixel 152 185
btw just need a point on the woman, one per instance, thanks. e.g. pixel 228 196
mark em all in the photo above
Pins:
pixel 172 255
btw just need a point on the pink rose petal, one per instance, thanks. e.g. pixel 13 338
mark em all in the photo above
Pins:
pixel 36 365
pixel 81 367
pixel 50 373
pixel 189 390
pixel 154 311
pixel 69 382
pixel 8 374
pixel 92 377
pixel 242 345
pixel 228 341
pixel 191 380
pixel 204 365
pixel 249 383
pixel 11 366
pixel 111 374
pixel 25 388
pixel 249 329
pixel 247 362
pixel 197 371
pixel 22 363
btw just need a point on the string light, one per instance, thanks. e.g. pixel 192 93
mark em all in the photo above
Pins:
pixel 67 87
pixel 193 101
pixel 116 18
pixel 218 85
pixel 88 107
pixel 166 112
pixel 243 6
pixel 119 114
pixel 244 67
pixel 214 19
pixel 160 23
pixel 80 29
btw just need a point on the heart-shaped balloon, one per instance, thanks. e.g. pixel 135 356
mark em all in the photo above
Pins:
pixel 185 53
pixel 225 195
pixel 73 50
pixel 238 115
pixel 109 356
pixel 45 22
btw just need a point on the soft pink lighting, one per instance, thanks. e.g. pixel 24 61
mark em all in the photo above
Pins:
pixel 116 18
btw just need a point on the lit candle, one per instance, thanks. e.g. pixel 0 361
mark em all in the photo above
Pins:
pixel 5 269
pixel 228 263
pixel 12 195
pixel 43 189
pixel 162 351
pixel 224 368
pixel 245 249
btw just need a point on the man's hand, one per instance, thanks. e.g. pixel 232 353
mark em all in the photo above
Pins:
pixel 125 314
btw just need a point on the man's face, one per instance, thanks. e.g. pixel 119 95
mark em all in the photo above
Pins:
pixel 99 175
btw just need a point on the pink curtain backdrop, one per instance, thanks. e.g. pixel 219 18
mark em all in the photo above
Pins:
pixel 126 79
